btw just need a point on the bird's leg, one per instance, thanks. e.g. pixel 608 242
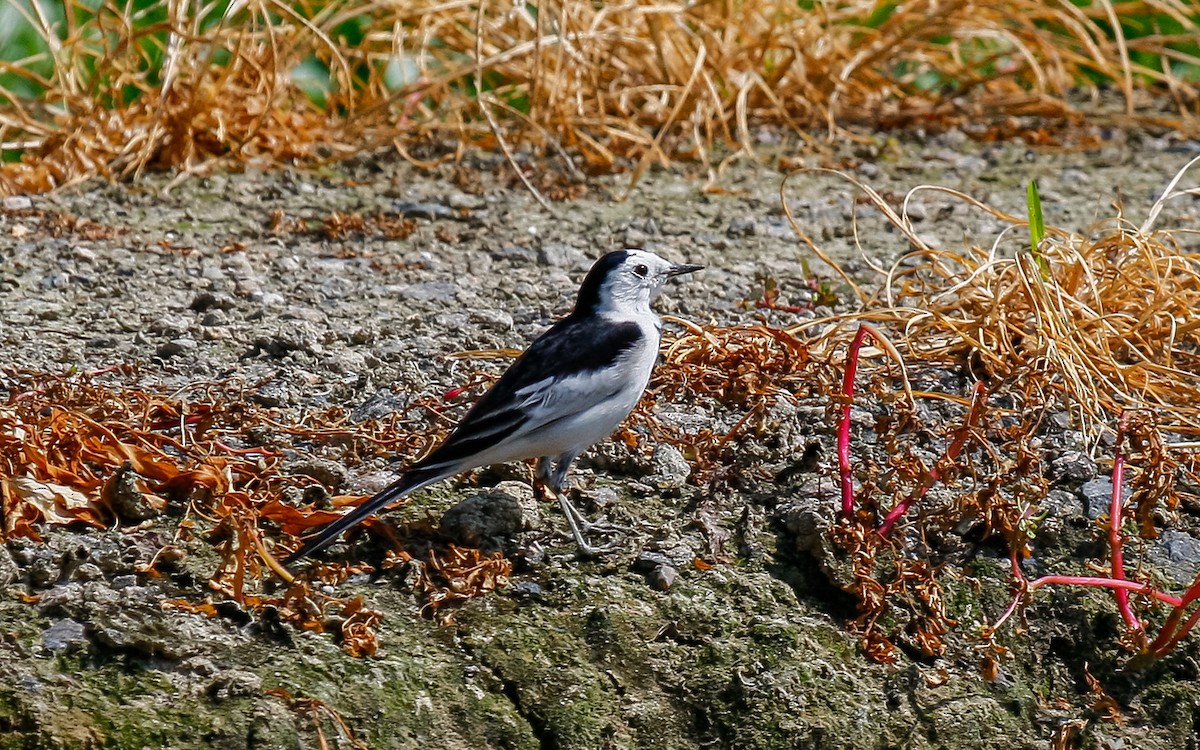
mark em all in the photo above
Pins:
pixel 543 482
pixel 575 520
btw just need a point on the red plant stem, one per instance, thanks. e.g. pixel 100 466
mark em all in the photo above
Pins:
pixel 1168 645
pixel 1109 583
pixel 843 442
pixel 978 395
pixel 1171 633
pixel 1115 520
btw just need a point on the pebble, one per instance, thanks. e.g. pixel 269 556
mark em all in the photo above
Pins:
pixel 430 291
pixel 64 635
pixel 554 254
pixel 1178 554
pixel 519 254
pixel 648 560
pixel 175 347
pixel 233 683
pixel 662 577
pixel 671 469
pixel 415 210
pixel 128 500
pixel 331 474
pixel 742 227
pixel 1074 466
pixel 1097 496
pixel 461 201
pixel 378 405
pixel 205 301
pixel 526 590
pixel 483 520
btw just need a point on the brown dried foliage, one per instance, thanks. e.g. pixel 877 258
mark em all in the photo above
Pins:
pixel 123 93
pixel 1112 323
pixel 747 368
pixel 66 442
pixel 35 222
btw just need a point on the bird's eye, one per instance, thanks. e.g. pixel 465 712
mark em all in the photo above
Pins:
pixel 641 270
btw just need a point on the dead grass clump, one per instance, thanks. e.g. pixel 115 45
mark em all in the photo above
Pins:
pixel 118 87
pixel 1095 322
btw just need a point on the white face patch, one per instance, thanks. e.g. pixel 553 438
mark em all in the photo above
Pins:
pixel 631 286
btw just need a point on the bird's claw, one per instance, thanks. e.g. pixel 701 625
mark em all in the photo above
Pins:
pixel 583 550
pixel 580 526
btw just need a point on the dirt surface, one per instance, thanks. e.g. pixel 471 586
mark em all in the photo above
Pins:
pixel 265 280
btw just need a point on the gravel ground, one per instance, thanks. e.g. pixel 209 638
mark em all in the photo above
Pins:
pixel 218 279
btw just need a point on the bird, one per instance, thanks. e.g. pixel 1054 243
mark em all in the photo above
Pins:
pixel 571 388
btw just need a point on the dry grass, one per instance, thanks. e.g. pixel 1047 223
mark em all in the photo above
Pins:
pixel 136 85
pixel 1110 321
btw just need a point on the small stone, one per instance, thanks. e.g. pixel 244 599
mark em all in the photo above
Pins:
pixel 1178 554
pixel 175 347
pixel 233 683
pixel 517 253
pixel 60 598
pixel 671 469
pixel 526 590
pixel 198 665
pixel 1074 466
pixel 1097 496
pixel 64 635
pixel 331 474
pixel 648 560
pixel 46 569
pixel 742 227
pixel 464 201
pixel 497 320
pixel 379 405
pixel 483 520
pixel 430 291
pixel 205 301
pixel 662 577
pixel 88 572
pixel 17 203
pixel 416 210
pixel 554 254
pixel 128 497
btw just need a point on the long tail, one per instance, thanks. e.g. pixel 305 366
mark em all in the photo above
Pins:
pixel 412 480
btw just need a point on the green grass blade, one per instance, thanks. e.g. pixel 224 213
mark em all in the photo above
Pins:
pixel 1037 227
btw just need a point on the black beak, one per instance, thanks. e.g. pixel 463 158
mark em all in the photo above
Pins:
pixel 682 268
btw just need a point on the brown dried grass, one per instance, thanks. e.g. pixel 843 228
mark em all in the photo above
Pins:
pixel 206 85
pixel 1110 322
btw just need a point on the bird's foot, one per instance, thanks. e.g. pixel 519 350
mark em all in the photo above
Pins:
pixel 581 527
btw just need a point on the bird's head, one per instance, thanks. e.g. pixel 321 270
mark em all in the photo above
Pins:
pixel 626 281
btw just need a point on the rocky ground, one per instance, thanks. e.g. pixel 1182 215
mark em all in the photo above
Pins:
pixel 219 279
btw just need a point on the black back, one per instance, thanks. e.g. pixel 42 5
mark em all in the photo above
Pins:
pixel 589 290
pixel 576 345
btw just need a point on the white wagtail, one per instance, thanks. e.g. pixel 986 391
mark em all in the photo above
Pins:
pixel 572 387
